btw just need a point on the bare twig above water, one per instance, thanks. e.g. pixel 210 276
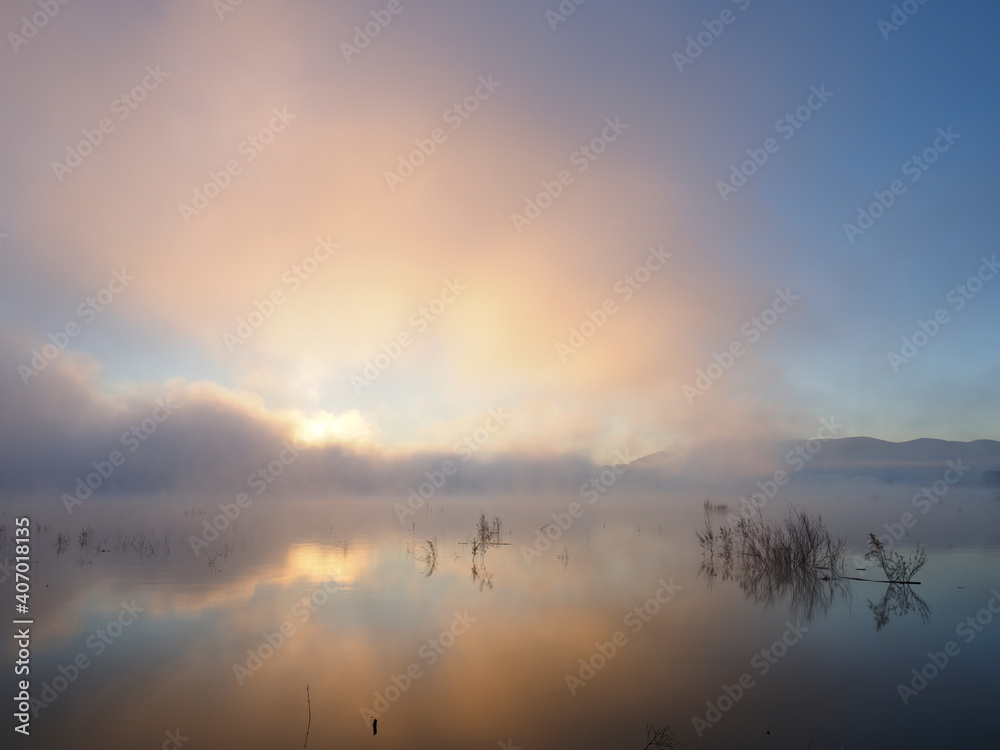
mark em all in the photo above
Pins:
pixel 898 569
pixel 309 723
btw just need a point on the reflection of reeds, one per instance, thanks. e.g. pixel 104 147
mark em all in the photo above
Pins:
pixel 771 560
pixel 481 575
pixel 711 507
pixel 809 594
pixel 142 543
pixel 487 534
pixel 706 538
pixel 429 558
pixel 211 557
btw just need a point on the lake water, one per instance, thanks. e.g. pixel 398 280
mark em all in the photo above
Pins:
pixel 617 625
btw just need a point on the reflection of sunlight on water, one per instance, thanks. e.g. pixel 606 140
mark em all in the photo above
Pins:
pixel 306 565
pixel 316 563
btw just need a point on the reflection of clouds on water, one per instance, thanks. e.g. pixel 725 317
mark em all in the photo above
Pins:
pixel 535 623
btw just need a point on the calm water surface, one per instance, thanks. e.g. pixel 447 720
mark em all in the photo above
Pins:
pixel 615 626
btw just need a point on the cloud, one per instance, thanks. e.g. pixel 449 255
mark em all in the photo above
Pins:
pixel 187 436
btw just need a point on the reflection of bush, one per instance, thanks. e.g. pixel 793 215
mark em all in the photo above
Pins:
pixel 430 558
pixel 898 600
pixel 660 739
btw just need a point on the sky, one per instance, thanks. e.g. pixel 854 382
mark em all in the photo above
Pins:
pixel 585 230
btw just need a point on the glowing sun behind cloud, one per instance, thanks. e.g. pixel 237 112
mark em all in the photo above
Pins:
pixel 326 428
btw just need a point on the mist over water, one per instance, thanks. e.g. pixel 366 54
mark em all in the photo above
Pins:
pixel 586 623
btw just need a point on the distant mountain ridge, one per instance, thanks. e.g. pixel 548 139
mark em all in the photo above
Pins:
pixel 920 460
pixel 923 458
